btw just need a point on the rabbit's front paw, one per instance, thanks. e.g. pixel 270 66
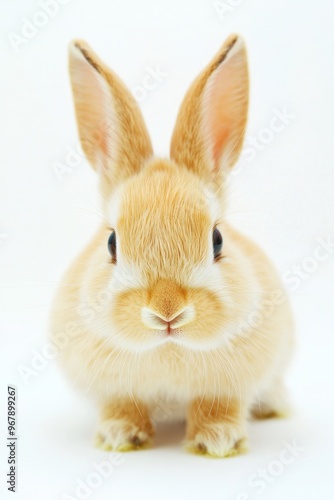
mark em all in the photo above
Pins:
pixel 216 427
pixel 218 440
pixel 122 435
pixel 125 425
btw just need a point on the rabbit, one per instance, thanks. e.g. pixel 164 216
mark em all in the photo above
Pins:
pixel 170 313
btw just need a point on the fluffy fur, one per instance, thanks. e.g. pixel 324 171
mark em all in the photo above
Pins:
pixel 232 332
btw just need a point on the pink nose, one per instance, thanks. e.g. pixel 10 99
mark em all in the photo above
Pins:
pixel 169 325
pixel 154 320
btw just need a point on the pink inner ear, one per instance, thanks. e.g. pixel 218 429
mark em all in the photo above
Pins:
pixel 102 119
pixel 95 110
pixel 222 116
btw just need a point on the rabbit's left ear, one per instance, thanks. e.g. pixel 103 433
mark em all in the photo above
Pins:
pixel 210 127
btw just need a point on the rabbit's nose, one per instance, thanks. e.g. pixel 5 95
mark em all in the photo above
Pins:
pixel 154 320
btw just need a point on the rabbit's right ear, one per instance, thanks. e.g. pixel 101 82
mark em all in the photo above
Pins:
pixel 112 131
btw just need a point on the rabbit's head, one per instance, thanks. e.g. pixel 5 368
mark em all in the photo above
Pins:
pixel 167 277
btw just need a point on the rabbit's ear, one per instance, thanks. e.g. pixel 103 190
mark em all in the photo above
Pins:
pixel 111 127
pixel 210 127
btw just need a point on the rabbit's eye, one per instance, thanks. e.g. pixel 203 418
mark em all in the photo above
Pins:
pixel 112 246
pixel 217 241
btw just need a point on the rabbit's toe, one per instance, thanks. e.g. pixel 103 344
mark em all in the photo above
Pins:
pixel 219 440
pixel 122 435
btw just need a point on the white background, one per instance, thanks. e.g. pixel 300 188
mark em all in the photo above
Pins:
pixel 283 199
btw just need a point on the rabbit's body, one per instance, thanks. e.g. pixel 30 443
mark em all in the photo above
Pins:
pixel 162 331
pixel 169 371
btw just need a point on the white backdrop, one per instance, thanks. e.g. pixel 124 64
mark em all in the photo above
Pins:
pixel 281 195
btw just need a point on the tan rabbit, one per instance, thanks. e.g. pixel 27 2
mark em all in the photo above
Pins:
pixel 183 312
